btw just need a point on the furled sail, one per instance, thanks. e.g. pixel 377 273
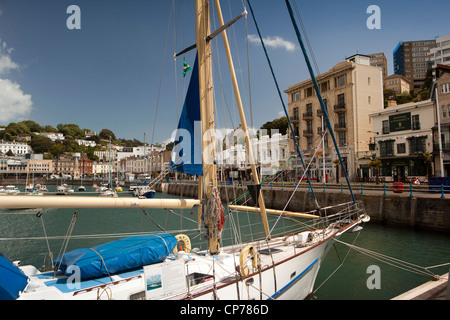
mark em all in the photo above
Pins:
pixel 187 151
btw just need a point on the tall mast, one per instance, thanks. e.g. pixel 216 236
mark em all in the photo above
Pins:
pixel 243 120
pixel 203 29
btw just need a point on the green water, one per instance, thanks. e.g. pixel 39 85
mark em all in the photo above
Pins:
pixel 349 282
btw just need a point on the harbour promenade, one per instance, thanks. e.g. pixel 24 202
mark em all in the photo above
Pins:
pixel 414 207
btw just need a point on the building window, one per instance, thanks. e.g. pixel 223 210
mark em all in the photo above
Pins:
pixel 340 81
pixel 444 111
pixel 341 120
pixel 401 148
pixel 308 92
pixel 296 96
pixel 342 139
pixel 445 88
pixel 385 126
pixel 415 122
pixel 341 100
pixel 295 113
pixel 417 145
pixel 368 100
pixel 386 148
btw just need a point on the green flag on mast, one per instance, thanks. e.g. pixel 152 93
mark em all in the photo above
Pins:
pixel 186 68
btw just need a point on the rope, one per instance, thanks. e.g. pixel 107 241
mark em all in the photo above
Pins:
pixel 66 240
pixel 106 268
pixel 400 264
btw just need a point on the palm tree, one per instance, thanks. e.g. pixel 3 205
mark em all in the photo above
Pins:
pixel 428 161
pixel 375 164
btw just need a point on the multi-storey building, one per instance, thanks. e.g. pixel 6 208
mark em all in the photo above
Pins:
pixel 17 148
pixel 351 90
pixel 379 60
pixel 441 53
pixel 65 165
pixel 443 106
pixel 398 83
pixel 412 60
pixel 403 133
pixel 52 135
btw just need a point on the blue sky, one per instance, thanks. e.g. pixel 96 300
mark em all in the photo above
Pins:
pixel 118 69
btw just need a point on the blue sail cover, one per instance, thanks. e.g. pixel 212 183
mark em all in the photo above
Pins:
pixel 117 256
pixel 12 280
pixel 187 150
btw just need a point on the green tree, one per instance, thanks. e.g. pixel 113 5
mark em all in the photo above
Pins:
pixel 48 128
pixel 106 133
pixel 57 149
pixel 71 130
pixel 281 124
pixel 375 164
pixel 32 125
pixel 41 144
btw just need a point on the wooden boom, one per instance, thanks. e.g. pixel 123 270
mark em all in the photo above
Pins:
pixel 273 211
pixel 18 202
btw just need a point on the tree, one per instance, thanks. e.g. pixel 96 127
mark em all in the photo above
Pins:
pixel 32 126
pixel 281 124
pixel 169 146
pixel 48 128
pixel 428 161
pixel 106 133
pixel 375 164
pixel 41 144
pixel 71 130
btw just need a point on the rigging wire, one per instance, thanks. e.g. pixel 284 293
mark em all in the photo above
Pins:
pixel 162 73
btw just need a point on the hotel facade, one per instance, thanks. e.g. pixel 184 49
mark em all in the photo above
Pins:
pixel 351 90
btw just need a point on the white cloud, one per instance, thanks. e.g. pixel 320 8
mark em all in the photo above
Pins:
pixel 6 64
pixel 14 103
pixel 273 42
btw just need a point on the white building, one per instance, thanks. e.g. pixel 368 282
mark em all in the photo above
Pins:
pixel 100 168
pixel 52 135
pixel 441 54
pixel 17 148
pixel 85 143
pixel 403 133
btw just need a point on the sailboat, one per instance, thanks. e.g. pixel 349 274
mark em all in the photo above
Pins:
pixel 167 266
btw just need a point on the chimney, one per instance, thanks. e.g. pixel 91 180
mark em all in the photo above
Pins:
pixel 392 102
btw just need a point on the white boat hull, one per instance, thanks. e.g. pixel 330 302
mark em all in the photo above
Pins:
pixel 287 274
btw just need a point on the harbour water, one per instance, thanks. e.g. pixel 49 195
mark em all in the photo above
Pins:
pixel 22 238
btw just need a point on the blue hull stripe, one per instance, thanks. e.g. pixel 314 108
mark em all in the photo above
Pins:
pixel 281 291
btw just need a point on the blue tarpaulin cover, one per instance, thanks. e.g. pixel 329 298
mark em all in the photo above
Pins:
pixel 12 280
pixel 117 256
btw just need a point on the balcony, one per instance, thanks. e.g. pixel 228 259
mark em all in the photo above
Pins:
pixel 308 133
pixel 307 116
pixel 319 112
pixel 339 107
pixel 294 117
pixel 340 126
